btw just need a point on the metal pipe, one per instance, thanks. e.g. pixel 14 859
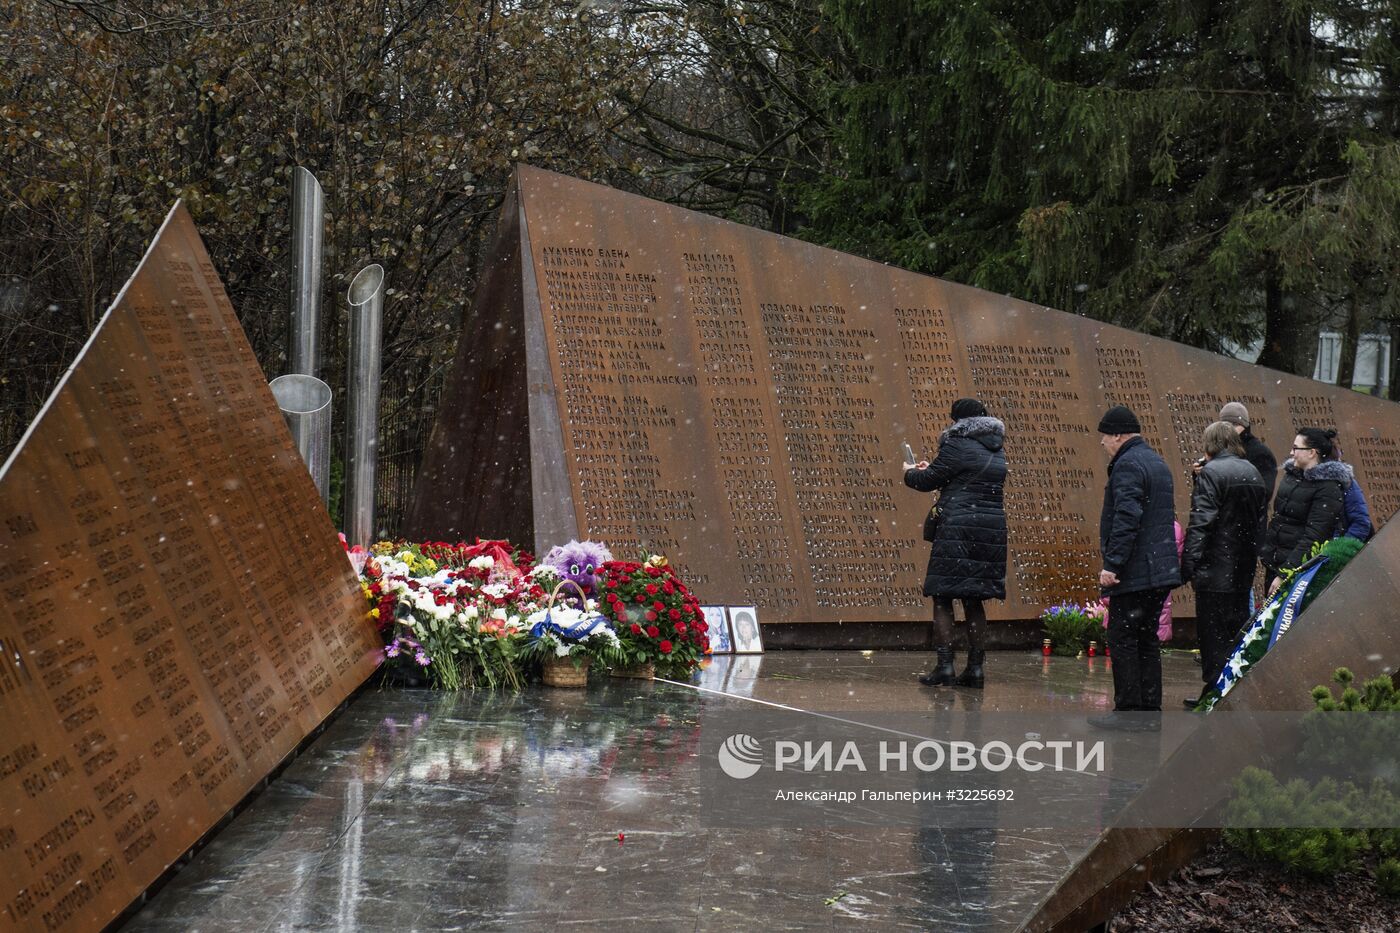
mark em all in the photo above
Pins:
pixel 366 299
pixel 308 228
pixel 305 402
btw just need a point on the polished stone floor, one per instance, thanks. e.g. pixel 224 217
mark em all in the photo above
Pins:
pixel 421 811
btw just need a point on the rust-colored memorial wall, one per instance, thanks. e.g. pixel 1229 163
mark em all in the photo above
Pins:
pixel 177 614
pixel 654 377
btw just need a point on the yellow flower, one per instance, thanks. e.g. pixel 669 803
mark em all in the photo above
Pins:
pixel 374 613
pixel 656 560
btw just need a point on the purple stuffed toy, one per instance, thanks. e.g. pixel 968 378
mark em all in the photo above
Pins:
pixel 580 562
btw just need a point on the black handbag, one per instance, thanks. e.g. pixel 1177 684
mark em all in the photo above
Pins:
pixel 931 523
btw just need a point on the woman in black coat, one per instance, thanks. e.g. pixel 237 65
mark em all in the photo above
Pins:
pixel 968 558
pixel 1309 505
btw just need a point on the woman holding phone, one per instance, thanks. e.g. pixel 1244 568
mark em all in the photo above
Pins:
pixel 967 530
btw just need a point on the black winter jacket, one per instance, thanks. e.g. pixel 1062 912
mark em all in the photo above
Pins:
pixel 1136 528
pixel 1262 459
pixel 968 557
pixel 1308 509
pixel 1228 505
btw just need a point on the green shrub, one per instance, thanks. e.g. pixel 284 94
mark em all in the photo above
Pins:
pixel 1324 847
pixel 1260 798
pixel 1388 877
pixel 1319 852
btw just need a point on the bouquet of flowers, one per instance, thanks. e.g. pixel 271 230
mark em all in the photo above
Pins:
pixel 658 621
pixel 463 626
pixel 1070 627
pixel 505 558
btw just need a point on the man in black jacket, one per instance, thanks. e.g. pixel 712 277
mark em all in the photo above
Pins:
pixel 1256 452
pixel 1140 564
pixel 1228 502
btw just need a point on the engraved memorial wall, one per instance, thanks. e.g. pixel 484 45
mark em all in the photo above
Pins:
pixel 657 378
pixel 177 613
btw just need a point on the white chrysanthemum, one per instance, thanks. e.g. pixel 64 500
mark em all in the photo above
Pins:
pixel 496 590
pixel 484 562
pixel 391 567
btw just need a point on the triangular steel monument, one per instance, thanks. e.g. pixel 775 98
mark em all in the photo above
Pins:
pixel 178 613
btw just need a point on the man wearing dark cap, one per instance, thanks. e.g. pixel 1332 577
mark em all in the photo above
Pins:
pixel 1255 450
pixel 1140 564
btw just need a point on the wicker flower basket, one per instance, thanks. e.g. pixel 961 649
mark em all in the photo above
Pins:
pixel 645 671
pixel 560 672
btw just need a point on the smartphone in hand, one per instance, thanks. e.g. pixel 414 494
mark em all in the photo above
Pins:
pixel 909 454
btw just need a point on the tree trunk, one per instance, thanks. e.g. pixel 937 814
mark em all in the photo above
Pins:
pixel 1351 339
pixel 1290 336
pixel 1392 393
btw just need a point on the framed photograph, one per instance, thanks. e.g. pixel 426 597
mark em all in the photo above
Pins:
pixel 743 628
pixel 720 640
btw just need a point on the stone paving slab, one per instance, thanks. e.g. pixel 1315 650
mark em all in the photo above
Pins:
pixel 422 811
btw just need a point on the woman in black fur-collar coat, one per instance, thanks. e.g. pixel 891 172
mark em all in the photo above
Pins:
pixel 968 533
pixel 1309 506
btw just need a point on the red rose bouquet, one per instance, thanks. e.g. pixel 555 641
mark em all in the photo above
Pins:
pixel 657 620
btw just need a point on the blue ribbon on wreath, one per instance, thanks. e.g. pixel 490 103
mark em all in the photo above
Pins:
pixel 1295 600
pixel 576 632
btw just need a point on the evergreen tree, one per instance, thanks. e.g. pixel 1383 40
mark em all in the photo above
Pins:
pixel 1205 171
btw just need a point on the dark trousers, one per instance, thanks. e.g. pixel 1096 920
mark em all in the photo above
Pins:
pixel 1136 653
pixel 1219 618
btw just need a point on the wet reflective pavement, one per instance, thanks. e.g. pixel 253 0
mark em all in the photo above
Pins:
pixel 422 811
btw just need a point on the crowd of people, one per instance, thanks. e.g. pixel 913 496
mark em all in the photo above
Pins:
pixel 1231 533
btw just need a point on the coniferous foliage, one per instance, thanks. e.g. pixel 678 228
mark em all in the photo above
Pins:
pixel 1325 837
pixel 1205 172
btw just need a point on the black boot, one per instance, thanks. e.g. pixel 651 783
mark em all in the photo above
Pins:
pixel 972 674
pixel 942 675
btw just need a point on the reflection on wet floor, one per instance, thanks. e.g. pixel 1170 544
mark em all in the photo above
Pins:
pixel 423 811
